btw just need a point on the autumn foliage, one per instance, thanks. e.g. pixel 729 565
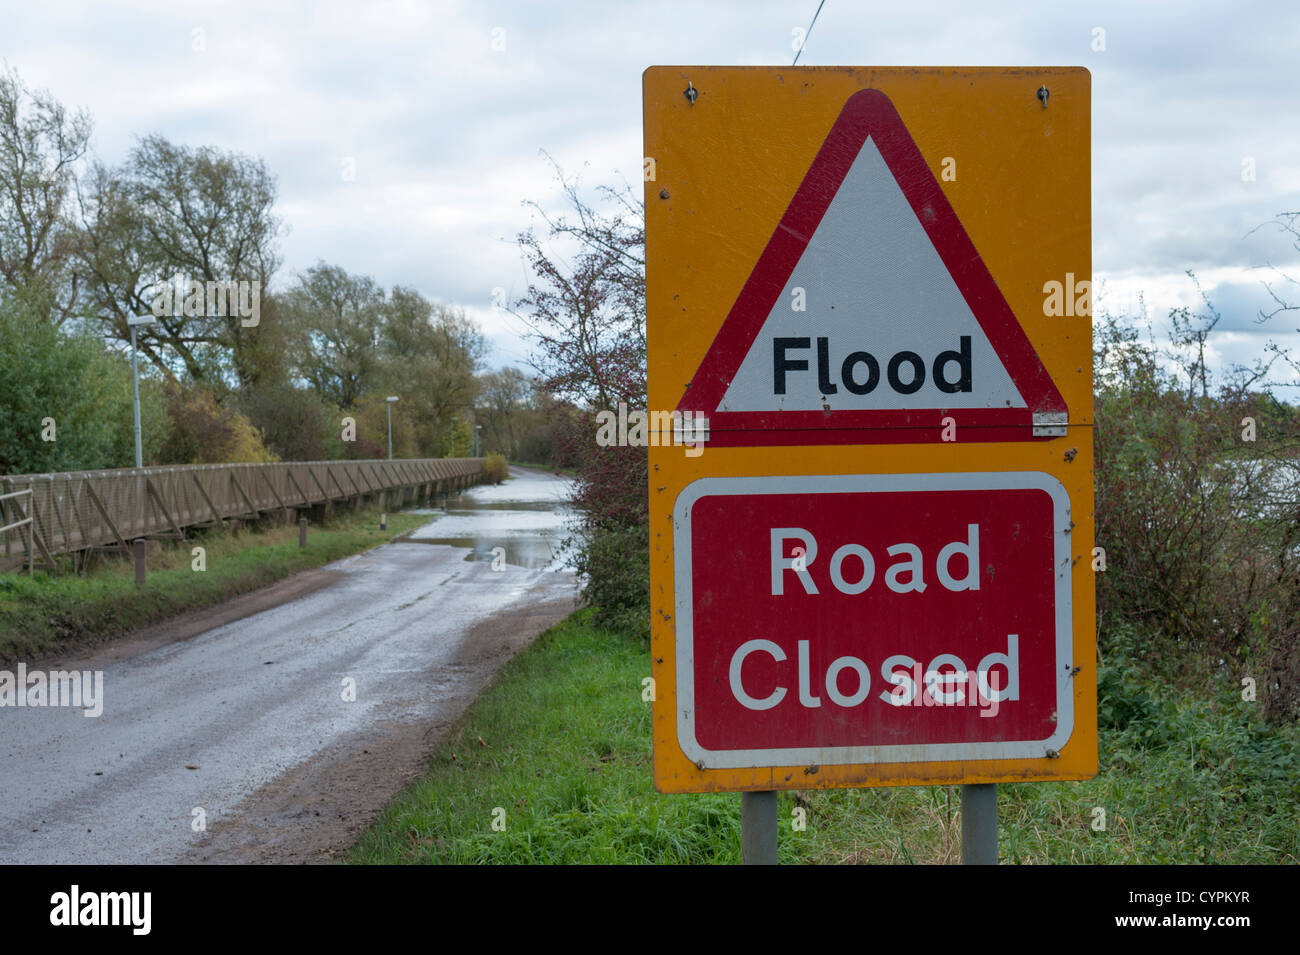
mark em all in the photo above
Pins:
pixel 204 432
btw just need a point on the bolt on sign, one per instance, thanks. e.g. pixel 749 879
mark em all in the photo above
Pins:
pixel 874 286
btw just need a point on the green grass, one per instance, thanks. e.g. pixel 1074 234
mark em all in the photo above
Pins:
pixel 48 613
pixel 561 743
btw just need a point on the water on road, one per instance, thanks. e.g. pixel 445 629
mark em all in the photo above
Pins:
pixel 521 522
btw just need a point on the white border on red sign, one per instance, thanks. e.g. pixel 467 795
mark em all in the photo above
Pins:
pixel 866 483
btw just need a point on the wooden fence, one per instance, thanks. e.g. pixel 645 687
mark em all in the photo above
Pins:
pixel 78 511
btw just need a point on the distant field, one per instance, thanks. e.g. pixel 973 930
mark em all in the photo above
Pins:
pixel 557 753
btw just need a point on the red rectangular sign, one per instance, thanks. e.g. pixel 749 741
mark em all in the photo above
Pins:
pixel 873 618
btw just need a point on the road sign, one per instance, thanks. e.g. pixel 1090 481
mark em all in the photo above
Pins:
pixel 880 569
pixel 870 618
pixel 910 326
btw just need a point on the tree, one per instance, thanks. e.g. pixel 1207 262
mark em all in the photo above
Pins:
pixel 174 214
pixel 505 398
pixel 67 402
pixel 40 146
pixel 333 319
pixel 1285 301
pixel 587 312
pixel 460 441
pixel 540 440
pixel 430 354
pixel 354 344
pixel 1289 223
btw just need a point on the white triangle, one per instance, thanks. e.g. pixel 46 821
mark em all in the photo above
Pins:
pixel 873 282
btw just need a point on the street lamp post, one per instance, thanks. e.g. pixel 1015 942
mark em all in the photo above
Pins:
pixel 135 382
pixel 389 401
pixel 478 440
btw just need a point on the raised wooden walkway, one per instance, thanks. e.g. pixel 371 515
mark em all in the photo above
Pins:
pixel 81 510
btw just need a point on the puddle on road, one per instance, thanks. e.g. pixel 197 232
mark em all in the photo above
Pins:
pixel 523 521
pixel 459 503
pixel 532 554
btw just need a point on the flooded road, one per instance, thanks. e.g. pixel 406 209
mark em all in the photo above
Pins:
pixel 521 522
pixel 278 735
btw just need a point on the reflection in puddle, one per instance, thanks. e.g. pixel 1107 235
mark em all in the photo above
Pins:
pixel 522 523
pixel 534 554
pixel 462 503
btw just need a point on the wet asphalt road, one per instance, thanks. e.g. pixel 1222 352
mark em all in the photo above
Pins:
pixel 202 723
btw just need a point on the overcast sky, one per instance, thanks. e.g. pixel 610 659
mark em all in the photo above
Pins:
pixel 445 132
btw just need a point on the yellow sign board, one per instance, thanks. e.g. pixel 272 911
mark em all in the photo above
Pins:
pixel 869 301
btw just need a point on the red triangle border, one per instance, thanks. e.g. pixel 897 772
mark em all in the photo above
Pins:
pixel 868 112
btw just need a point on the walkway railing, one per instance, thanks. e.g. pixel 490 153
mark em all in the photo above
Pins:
pixel 74 511
pixel 24 523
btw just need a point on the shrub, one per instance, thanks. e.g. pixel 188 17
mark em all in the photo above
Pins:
pixel 613 535
pixel 46 372
pixel 612 489
pixel 1199 525
pixel 295 423
pixel 616 565
pixel 203 432
pixel 495 468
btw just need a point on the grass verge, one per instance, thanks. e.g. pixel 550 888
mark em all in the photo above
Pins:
pixel 557 750
pixel 49 613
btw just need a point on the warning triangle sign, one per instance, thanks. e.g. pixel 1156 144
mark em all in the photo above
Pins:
pixel 870 316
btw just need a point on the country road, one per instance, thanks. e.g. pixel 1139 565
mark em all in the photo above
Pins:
pixel 231 735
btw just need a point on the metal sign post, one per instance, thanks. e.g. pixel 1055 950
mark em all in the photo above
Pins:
pixel 979 824
pixel 758 826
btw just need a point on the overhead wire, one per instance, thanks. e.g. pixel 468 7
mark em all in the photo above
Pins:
pixel 808 33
